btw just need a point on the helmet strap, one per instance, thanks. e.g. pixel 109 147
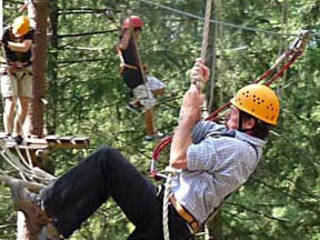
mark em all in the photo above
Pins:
pixel 240 121
pixel 240 124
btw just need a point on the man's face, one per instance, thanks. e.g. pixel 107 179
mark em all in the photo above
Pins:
pixel 232 119
pixel 136 33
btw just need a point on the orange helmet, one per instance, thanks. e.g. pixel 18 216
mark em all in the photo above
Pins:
pixel 134 21
pixel 21 25
pixel 259 101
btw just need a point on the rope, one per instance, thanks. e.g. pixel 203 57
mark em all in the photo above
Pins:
pixel 165 207
pixel 205 37
pixel 199 83
pixel 216 21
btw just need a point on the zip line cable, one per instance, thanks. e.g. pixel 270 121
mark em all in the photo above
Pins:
pixel 218 22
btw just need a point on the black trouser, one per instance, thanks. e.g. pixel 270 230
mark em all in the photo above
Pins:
pixel 106 173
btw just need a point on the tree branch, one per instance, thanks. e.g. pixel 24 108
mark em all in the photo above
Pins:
pixel 260 213
pixel 86 33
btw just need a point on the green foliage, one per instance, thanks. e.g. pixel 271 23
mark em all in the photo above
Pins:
pixel 87 96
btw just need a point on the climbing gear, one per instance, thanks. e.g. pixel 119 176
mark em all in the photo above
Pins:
pixel 133 21
pixel 21 25
pixel 13 67
pixel 259 101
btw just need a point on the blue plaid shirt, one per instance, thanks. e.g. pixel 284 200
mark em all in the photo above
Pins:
pixel 217 166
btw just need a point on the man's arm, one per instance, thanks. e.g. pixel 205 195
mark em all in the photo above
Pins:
pixel 124 42
pixel 20 47
pixel 190 114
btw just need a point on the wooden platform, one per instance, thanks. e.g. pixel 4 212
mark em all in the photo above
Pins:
pixel 49 142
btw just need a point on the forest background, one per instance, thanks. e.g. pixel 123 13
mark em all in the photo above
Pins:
pixel 87 96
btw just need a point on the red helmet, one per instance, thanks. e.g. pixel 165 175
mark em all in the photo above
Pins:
pixel 134 20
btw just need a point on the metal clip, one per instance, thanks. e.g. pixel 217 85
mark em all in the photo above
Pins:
pixel 301 42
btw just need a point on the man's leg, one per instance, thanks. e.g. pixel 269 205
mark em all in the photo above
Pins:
pixel 9 92
pixel 77 194
pixel 150 129
pixel 24 103
pixel 8 114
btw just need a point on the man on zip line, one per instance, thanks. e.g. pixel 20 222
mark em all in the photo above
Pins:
pixel 16 75
pixel 143 86
pixel 213 161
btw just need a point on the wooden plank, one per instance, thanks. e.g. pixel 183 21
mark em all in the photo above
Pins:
pixel 53 138
pixel 65 138
pixel 80 140
pixel 51 142
pixel 69 145
pixel 31 146
pixel 35 140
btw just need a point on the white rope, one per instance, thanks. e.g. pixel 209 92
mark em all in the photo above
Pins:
pixel 22 159
pixel 29 158
pixel 165 208
pixel 25 170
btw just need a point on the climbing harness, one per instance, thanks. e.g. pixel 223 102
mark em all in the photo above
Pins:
pixel 14 68
pixel 295 50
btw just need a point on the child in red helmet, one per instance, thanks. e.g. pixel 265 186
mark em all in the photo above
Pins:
pixel 133 73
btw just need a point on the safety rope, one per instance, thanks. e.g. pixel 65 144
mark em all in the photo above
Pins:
pixel 200 85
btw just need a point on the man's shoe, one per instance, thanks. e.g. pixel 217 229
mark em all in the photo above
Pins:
pixel 49 232
pixel 16 139
pixel 133 109
pixel 30 204
pixel 149 138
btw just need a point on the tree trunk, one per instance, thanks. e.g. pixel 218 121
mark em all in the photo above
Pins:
pixel 39 68
pixel 52 113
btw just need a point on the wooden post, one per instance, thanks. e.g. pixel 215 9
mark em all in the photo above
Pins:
pixel 52 111
pixel 39 68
